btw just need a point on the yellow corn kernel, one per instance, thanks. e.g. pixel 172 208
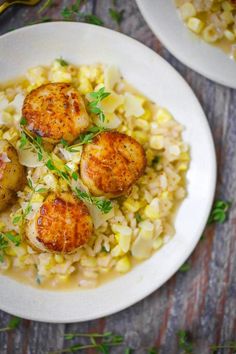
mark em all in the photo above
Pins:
pixel 229 35
pixel 184 156
pixel 2 225
pixel 10 251
pixel 152 211
pixel 124 242
pixel 195 25
pixel 142 124
pixel 50 264
pixel 166 195
pixel 63 277
pixel 163 115
pixel 146 230
pixel 11 135
pixel 187 10
pixel 123 265
pixel 37 198
pixel 59 258
pixel 146 115
pixel 85 87
pixel 116 251
pixel 227 17
pixel 210 34
pixel 157 142
pixel 132 205
pixel 157 243
pixel 141 137
pixel 226 6
pixel 182 167
pixel 63 185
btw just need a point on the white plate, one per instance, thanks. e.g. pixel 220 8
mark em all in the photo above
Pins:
pixel 82 43
pixel 207 60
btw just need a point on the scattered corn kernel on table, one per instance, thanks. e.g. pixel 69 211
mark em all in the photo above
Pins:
pixel 201 300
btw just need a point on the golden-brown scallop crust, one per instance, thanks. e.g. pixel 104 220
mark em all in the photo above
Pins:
pixel 12 174
pixel 112 163
pixel 55 111
pixel 63 224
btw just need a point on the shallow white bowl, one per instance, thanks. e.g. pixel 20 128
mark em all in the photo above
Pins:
pixel 149 73
pixel 207 60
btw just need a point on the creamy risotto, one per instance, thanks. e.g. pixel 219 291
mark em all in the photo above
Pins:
pixel 122 220
pixel 213 20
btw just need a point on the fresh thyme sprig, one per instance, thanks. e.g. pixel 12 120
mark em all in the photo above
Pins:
pixel 46 5
pixel 185 268
pixel 185 342
pixel 62 61
pixel 63 172
pixel 219 212
pixel 99 341
pixel 97 97
pixel 117 16
pixel 12 324
pixel 5 237
pixel 69 13
pixel 231 345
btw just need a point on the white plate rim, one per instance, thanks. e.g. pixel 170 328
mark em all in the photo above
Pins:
pixel 175 49
pixel 113 309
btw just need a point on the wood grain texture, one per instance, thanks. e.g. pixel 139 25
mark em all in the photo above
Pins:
pixel 203 300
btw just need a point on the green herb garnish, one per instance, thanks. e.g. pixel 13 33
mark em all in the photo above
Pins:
pixel 116 15
pixel 138 217
pixel 69 13
pixel 45 6
pixel 231 345
pixel 97 97
pixel 153 350
pixel 64 172
pixel 185 268
pixel 155 160
pixel 219 212
pixel 12 324
pixel 99 341
pixel 62 62
pixel 5 237
pixel 185 342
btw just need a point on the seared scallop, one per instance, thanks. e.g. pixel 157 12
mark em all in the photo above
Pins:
pixel 55 111
pixel 111 164
pixel 62 225
pixel 12 174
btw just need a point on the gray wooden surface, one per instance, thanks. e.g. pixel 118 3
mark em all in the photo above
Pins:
pixel 203 300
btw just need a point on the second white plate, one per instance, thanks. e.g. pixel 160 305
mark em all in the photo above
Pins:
pixel 210 61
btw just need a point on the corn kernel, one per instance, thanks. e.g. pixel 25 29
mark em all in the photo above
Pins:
pixel 227 17
pixel 157 243
pixel 10 251
pixel 141 137
pixel 210 34
pixel 123 265
pixel 37 198
pixel 157 142
pixel 59 258
pixel 187 10
pixel 132 205
pixel 85 87
pixel 163 115
pixel 116 251
pixel 229 35
pixel 124 242
pixel 142 124
pixel 152 210
pixel 146 230
pixel 184 156
pixel 182 167
pixel 195 25
pixel 146 115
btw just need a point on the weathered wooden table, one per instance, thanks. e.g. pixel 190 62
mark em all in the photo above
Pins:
pixel 202 300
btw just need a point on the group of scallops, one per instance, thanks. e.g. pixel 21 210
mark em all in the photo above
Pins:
pixel 109 166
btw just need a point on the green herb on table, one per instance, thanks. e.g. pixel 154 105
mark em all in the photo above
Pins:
pixel 185 342
pixel 231 345
pixel 102 342
pixel 219 213
pixel 117 16
pixel 45 6
pixel 69 13
pixel 36 143
pixel 12 324
pixel 93 105
pixel 185 268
